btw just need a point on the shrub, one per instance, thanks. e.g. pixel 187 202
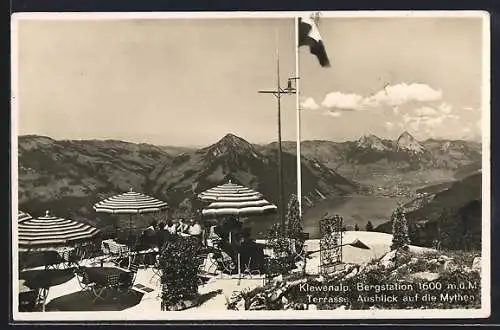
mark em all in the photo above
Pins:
pixel 294 223
pixel 369 226
pixel 280 245
pixel 179 266
pixel 400 238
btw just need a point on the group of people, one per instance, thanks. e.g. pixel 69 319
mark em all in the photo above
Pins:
pixel 157 233
pixel 240 242
pixel 231 239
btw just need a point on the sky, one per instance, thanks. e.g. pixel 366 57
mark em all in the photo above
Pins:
pixel 188 82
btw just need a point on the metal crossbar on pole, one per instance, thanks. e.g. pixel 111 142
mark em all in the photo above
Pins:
pixel 278 92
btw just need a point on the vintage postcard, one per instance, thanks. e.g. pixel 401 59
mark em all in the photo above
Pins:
pixel 244 165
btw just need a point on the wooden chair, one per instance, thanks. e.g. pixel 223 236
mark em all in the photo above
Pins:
pixel 202 260
pixel 102 291
pixel 134 268
pixel 83 279
pixel 249 271
pixel 157 272
pixel 224 264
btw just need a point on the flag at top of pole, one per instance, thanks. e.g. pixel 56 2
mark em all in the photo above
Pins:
pixel 306 34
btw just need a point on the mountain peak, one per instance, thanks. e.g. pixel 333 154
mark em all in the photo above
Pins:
pixel 371 141
pixel 406 134
pixel 232 140
pixel 232 143
pixel 406 141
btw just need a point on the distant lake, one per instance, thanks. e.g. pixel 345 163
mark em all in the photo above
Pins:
pixel 354 210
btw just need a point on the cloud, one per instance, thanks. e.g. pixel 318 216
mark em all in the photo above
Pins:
pixel 400 94
pixel 435 121
pixel 338 100
pixel 333 113
pixel 445 107
pixel 425 111
pixel 466 129
pixel 310 104
pixel 390 96
pixel 471 109
pixel 407 118
pixel 389 125
pixel 428 116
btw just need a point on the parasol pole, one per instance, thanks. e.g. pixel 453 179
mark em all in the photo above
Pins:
pixel 130 228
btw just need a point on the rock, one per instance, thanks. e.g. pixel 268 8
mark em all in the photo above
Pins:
pixel 362 267
pixel 278 279
pixel 312 307
pixel 352 273
pixel 402 268
pixel 476 264
pixel 240 305
pixel 443 258
pixel 413 261
pixel 256 305
pixel 467 269
pixel 276 294
pixel 388 264
pixel 450 266
pixel 433 261
pixel 369 268
pixel 388 260
pixel 284 300
pixel 297 282
pixel 428 276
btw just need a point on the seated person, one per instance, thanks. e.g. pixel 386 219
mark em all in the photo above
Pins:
pixel 251 252
pixel 170 227
pixel 194 229
pixel 182 227
pixel 214 236
pixel 160 235
pixel 149 235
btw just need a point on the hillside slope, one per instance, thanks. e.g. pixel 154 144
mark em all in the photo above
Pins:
pixel 68 177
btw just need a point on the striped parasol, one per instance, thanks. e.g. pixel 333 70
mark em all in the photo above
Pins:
pixel 23 216
pixel 51 231
pixel 130 203
pixel 233 199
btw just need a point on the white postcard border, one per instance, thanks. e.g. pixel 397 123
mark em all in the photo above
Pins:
pixel 188 315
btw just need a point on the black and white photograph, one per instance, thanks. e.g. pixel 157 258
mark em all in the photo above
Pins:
pixel 266 165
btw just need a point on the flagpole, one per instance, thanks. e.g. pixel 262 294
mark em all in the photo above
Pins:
pixel 297 105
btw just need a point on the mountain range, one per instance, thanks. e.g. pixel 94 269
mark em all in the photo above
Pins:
pixel 68 177
pixel 404 162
